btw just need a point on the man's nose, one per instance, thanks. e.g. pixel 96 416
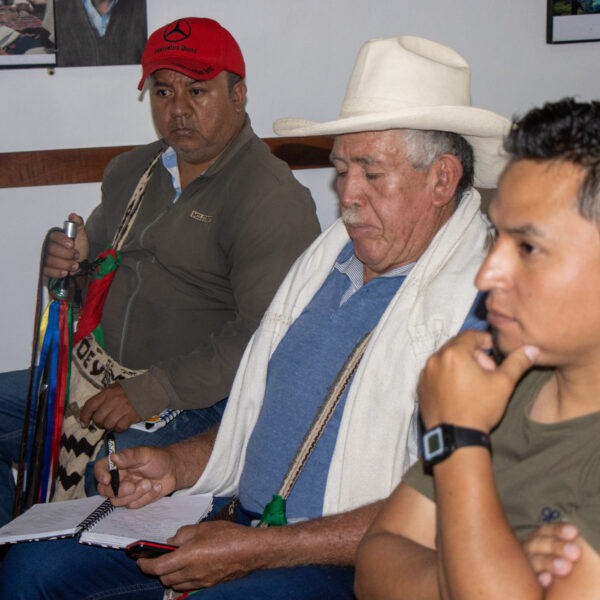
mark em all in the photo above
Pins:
pixel 494 271
pixel 180 105
pixel 350 190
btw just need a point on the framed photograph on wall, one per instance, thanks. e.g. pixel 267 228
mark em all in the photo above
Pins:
pixel 27 34
pixel 100 32
pixel 72 33
pixel 570 21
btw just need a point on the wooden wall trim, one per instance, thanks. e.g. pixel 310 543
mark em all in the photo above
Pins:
pixel 86 165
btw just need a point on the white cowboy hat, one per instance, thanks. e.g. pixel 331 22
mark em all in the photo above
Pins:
pixel 413 83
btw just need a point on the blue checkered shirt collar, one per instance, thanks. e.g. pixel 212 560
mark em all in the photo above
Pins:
pixel 353 268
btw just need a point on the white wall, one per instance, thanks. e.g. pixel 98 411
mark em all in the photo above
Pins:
pixel 299 56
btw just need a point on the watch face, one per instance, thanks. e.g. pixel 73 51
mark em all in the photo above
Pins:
pixel 433 444
pixel 441 441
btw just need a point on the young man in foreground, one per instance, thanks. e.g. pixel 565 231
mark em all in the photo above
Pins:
pixel 456 534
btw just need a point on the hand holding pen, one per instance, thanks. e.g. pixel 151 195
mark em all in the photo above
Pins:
pixel 110 449
pixel 145 474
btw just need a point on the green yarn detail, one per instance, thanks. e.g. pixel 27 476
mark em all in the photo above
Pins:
pixel 274 513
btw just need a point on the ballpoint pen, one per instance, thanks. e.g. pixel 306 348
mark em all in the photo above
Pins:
pixel 111 448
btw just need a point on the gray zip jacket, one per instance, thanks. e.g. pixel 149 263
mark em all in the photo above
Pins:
pixel 196 275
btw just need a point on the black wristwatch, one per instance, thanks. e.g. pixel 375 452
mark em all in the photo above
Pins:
pixel 441 441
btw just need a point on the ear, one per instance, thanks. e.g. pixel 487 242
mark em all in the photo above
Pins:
pixel 446 172
pixel 238 96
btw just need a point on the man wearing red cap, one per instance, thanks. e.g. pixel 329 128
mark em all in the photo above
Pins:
pixel 220 222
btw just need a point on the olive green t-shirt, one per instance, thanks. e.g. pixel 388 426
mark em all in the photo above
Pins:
pixel 543 472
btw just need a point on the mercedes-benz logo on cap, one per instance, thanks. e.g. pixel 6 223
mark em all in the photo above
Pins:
pixel 179 31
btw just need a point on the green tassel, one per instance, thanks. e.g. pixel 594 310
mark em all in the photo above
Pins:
pixel 108 265
pixel 98 334
pixel 274 513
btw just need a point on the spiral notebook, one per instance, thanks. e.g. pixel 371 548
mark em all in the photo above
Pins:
pixel 96 521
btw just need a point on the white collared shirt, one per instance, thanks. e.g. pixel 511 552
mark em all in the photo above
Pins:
pixel 353 268
pixel 99 22
pixel 169 160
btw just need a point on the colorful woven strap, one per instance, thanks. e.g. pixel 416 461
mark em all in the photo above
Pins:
pixel 274 513
pixel 105 266
pixel 132 210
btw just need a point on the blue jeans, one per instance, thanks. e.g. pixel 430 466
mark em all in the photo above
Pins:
pixel 13 390
pixel 81 572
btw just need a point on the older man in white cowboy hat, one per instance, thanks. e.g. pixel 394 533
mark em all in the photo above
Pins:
pixel 322 418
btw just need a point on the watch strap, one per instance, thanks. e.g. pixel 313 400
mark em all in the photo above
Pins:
pixel 441 441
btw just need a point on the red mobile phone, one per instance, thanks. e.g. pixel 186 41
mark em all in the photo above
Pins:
pixel 146 549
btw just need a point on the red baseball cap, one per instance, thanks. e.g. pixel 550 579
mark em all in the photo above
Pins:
pixel 198 48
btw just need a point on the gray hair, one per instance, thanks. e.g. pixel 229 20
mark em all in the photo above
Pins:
pixel 424 147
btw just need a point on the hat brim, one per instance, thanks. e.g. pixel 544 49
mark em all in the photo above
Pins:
pixel 483 129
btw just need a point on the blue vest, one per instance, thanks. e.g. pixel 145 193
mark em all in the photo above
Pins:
pixel 301 370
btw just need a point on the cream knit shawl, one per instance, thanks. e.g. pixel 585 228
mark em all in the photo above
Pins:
pixel 376 441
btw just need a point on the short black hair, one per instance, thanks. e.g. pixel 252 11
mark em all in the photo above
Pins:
pixel 566 130
pixel 232 79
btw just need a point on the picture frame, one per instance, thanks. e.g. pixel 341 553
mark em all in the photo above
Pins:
pixel 71 33
pixel 572 21
pixel 87 36
pixel 26 35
